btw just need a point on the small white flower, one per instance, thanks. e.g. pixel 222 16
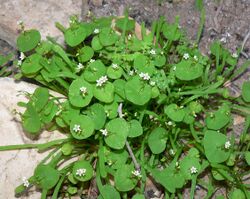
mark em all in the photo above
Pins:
pixel 223 40
pixel 91 60
pixel 22 56
pixel 144 76
pixel 83 90
pixel 19 62
pixel 109 162
pixel 25 182
pixel 79 66
pixel 171 152
pixel 235 55
pixel 19 22
pixel 129 36
pixel 193 170
pixel 151 117
pixel 195 58
pixel 104 132
pixel 174 68
pixel 162 53
pixel 186 56
pixel 131 72
pixel 114 66
pixel 152 52
pixel 170 123
pixel 96 31
pixel 101 80
pixel 227 145
pixel 137 173
pixel 77 128
pixel 152 83
pixel 81 172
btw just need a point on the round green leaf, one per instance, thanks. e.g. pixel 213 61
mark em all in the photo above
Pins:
pixel 104 93
pixel 85 54
pixel 46 176
pixel 118 130
pixel 247 157
pixel 31 64
pixel 107 37
pixel 96 44
pixel 76 96
pixel 97 113
pixel 82 164
pixel 75 35
pixel 111 110
pixel 157 140
pixel 28 40
pixel 124 179
pixel 115 158
pixel 187 163
pixel 137 91
pixel 174 112
pixel 109 192
pixel 214 143
pixel 119 87
pixel 114 73
pixel 237 194
pixel 94 71
pixel 160 60
pixel 67 148
pixel 187 70
pixel 142 64
pixel 246 91
pixel 135 129
pixel 86 127
pixel 138 196
pixel 217 175
pixel 171 31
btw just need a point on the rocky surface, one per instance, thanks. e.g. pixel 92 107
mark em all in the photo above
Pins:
pixel 20 163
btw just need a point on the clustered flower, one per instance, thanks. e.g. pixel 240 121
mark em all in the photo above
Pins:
pixel 77 128
pixel 152 52
pixel 193 170
pixel 137 173
pixel 114 66
pixel 131 72
pixel 152 83
pixel 79 66
pixel 186 56
pixel 81 172
pixel 83 90
pixel 235 55
pixel 25 182
pixel 96 31
pixel 144 76
pixel 195 58
pixel 104 132
pixel 101 80
pixel 227 145
pixel 91 60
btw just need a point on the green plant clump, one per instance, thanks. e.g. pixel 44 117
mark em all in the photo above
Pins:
pixel 132 107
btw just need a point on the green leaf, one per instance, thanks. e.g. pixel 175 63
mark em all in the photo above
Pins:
pixel 111 110
pixel 72 190
pixel 247 157
pixel 124 179
pixel 143 64
pixel 187 70
pixel 75 35
pixel 107 37
pixel 77 97
pixel 96 44
pixel 135 129
pixel 114 73
pixel 85 54
pixel 115 158
pixel 119 23
pixel 31 64
pixel 40 98
pixel 138 196
pixel 28 40
pixel 160 61
pixel 118 130
pixel 86 127
pixel 104 93
pixel 219 119
pixel 214 145
pixel 46 176
pixel 109 192
pixel 137 91
pixel 94 71
pixel 174 112
pixel 157 140
pixel 67 148
pixel 237 194
pixel 187 163
pixel 82 164
pixel 97 113
pixel 171 31
pixel 119 87
pixel 246 91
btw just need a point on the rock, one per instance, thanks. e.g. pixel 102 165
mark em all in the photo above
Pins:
pixel 20 163
pixel 40 15
pixel 97 3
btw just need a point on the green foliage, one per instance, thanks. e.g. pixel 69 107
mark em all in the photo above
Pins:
pixel 133 109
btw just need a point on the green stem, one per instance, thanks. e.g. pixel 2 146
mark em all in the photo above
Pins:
pixel 193 186
pixel 44 194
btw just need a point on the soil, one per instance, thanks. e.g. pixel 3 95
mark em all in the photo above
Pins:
pixel 226 20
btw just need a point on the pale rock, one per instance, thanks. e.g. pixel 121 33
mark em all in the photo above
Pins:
pixel 16 164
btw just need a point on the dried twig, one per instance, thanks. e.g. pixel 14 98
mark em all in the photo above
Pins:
pixel 243 44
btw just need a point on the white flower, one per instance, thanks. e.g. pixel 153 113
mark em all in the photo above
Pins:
pixel 169 123
pixel 137 173
pixel 114 66
pixel 193 170
pixel 152 83
pixel 19 62
pixel 91 60
pixel 152 52
pixel 83 90
pixel 227 145
pixel 101 80
pixel 19 22
pixel 171 152
pixel 22 56
pixel 186 56
pixel 162 53
pixel 129 36
pixel 96 31
pixel 81 172
pixel 25 182
pixel 80 66
pixel 104 132
pixel 174 68
pixel 77 128
pixel 144 76
pixel 131 72
pixel 109 162
pixel 223 40
pixel 195 58
pixel 235 55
